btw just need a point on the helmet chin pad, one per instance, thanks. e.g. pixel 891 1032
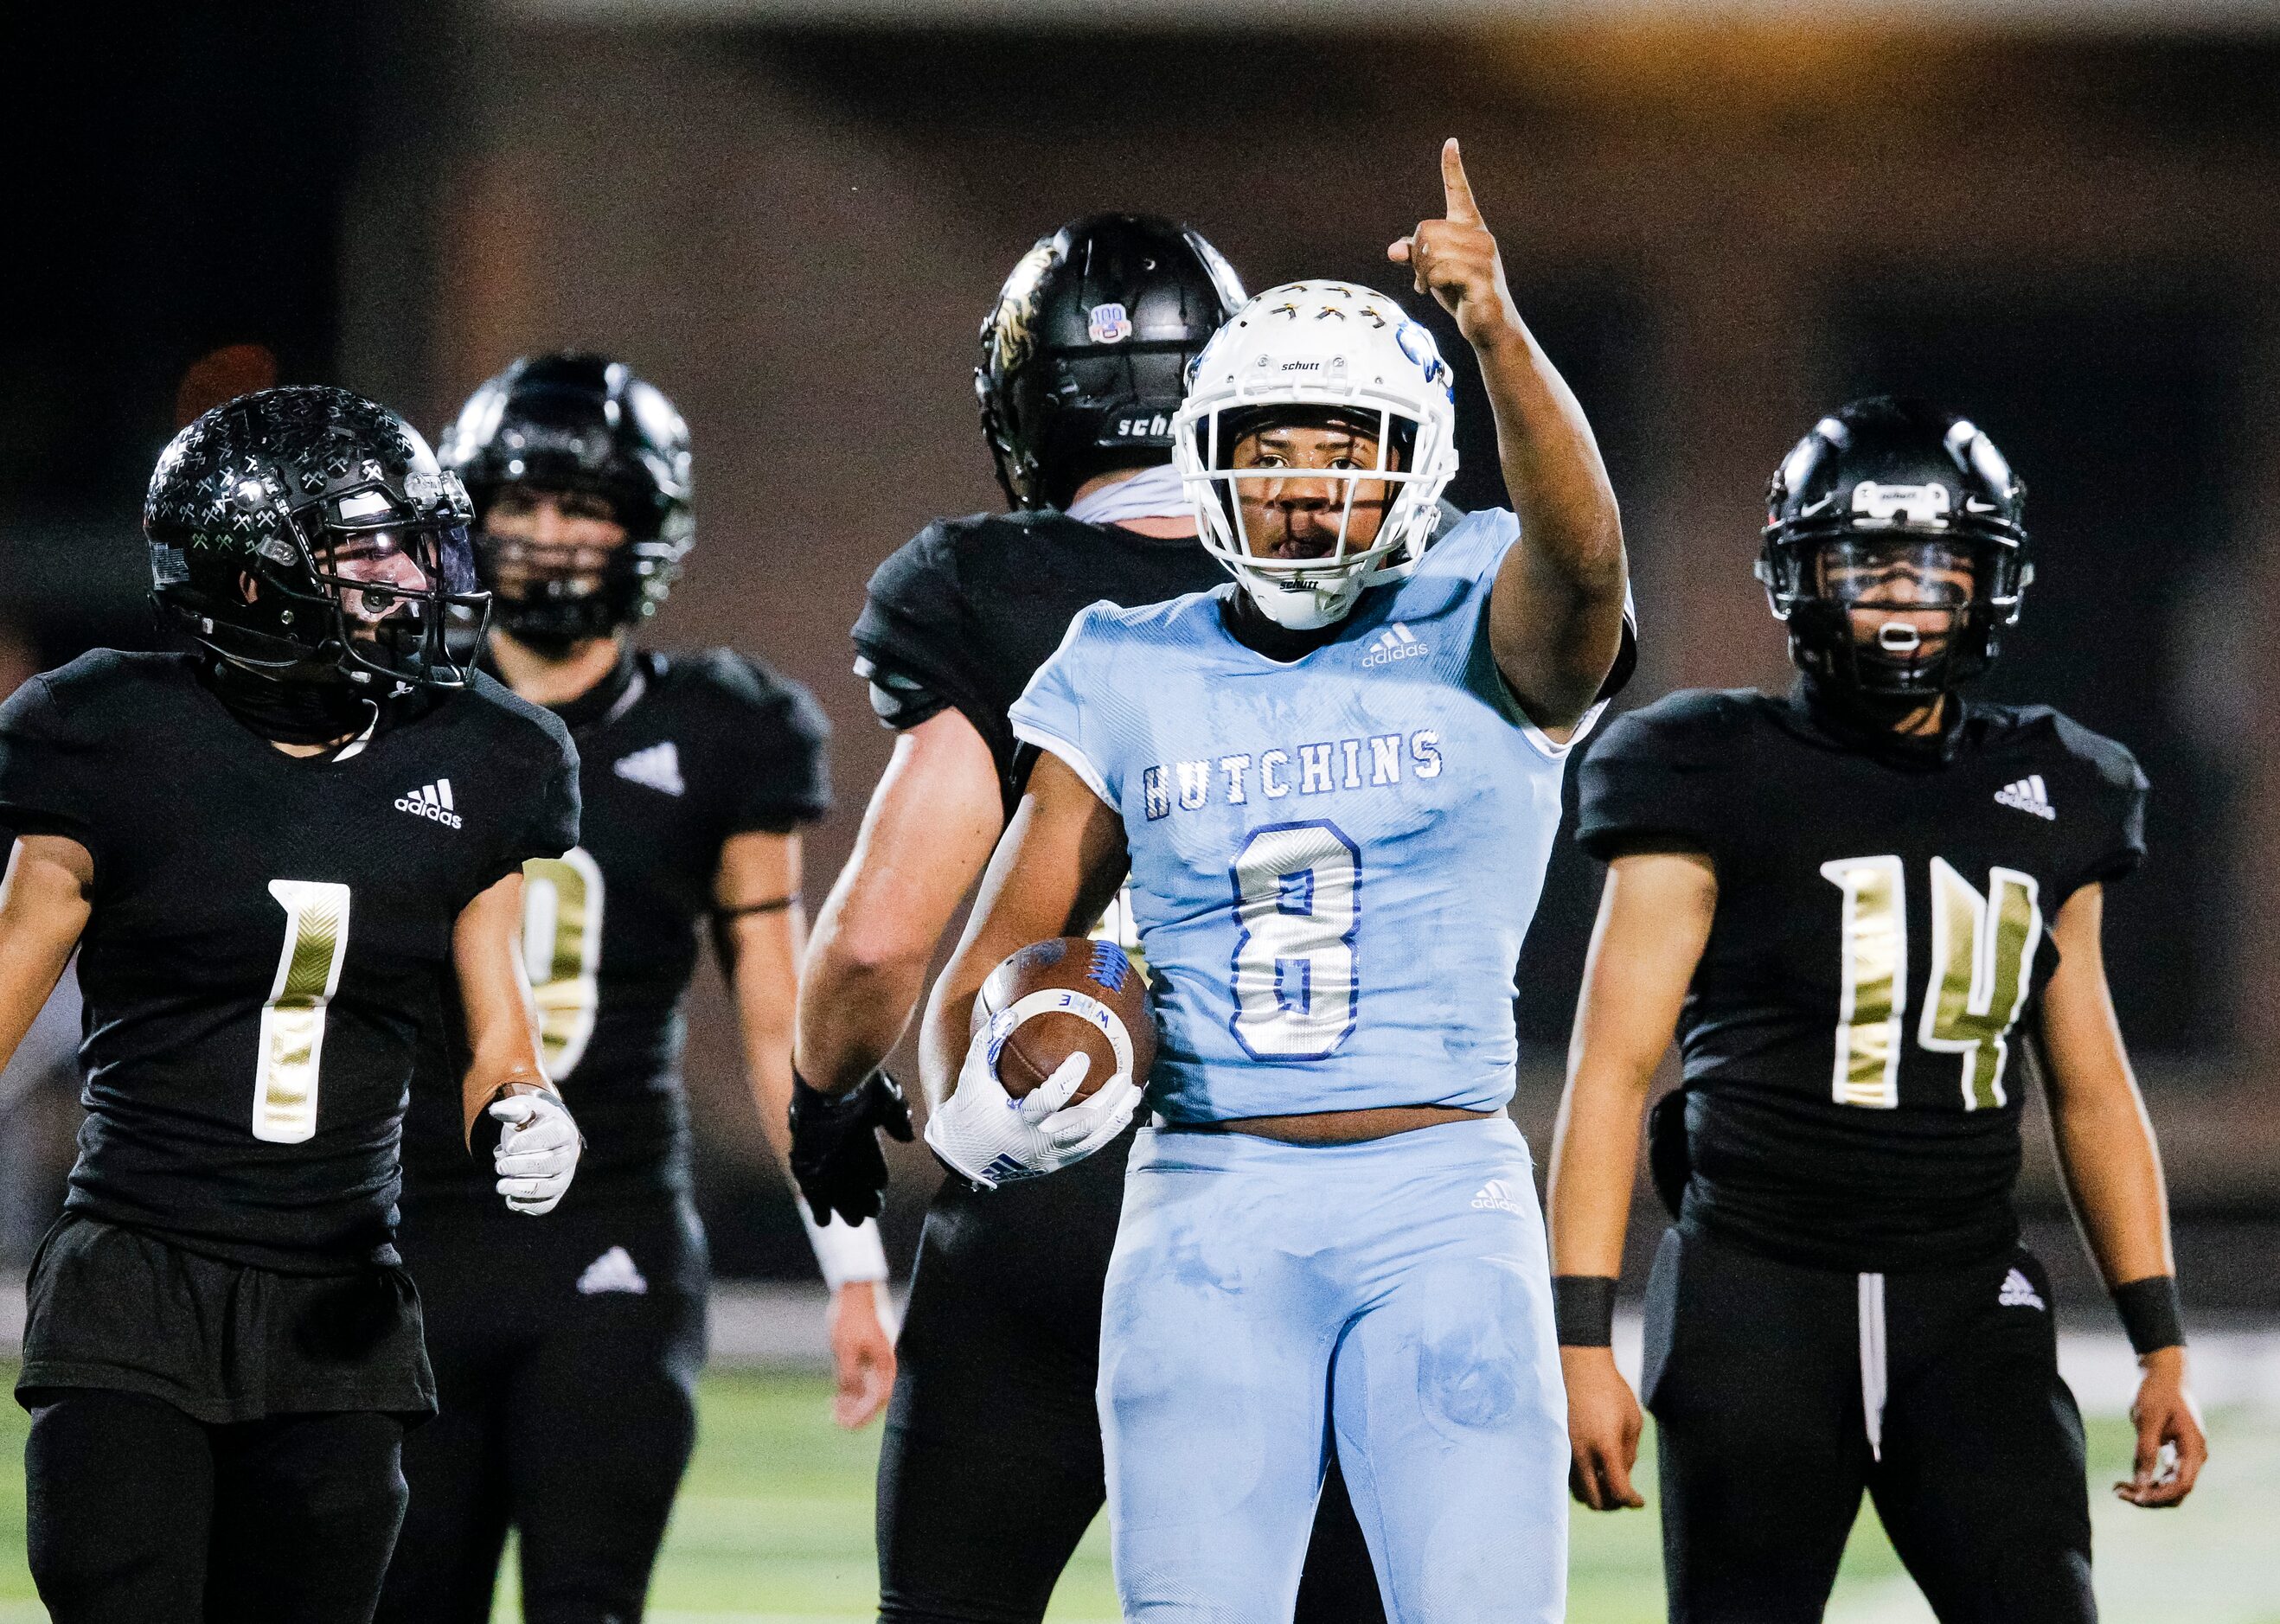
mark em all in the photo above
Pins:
pixel 1304 606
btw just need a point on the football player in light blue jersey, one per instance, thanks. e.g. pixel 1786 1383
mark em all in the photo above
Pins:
pixel 1334 783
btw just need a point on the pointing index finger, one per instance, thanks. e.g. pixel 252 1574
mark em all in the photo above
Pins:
pixel 1456 190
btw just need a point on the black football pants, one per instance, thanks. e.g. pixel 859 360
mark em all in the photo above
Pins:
pixel 136 1514
pixel 568 1413
pixel 1780 1393
pixel 990 1470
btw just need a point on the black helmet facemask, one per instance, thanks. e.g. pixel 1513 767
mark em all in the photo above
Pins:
pixel 1895 549
pixel 553 594
pixel 1904 617
pixel 305 535
pixel 576 427
pixel 1086 353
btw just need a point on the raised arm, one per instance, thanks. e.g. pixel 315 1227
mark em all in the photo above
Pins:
pixel 1057 869
pixel 2113 1174
pixel 926 835
pixel 43 908
pixel 1556 609
pixel 538 1146
pixel 1654 919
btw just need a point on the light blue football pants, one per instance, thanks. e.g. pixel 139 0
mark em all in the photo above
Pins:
pixel 1391 1299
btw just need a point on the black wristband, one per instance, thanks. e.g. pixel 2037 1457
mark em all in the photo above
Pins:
pixel 1583 1310
pixel 2151 1312
pixel 808 1099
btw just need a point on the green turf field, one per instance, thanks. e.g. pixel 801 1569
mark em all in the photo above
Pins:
pixel 774 1527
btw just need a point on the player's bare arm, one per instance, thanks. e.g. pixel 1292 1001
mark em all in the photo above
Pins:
pixel 760 937
pixel 1555 613
pixel 43 908
pixel 1654 918
pixel 538 1147
pixel 761 933
pixel 1061 861
pixel 2112 1171
pixel 502 1049
pixel 926 835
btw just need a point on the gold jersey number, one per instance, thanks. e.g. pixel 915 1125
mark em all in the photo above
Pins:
pixel 561 953
pixel 1982 957
pixel 292 1042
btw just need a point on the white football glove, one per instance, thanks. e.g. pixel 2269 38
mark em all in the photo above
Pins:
pixel 993 1138
pixel 537 1151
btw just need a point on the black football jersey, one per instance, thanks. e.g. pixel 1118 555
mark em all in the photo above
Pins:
pixel 1851 1037
pixel 964 613
pixel 676 754
pixel 267 937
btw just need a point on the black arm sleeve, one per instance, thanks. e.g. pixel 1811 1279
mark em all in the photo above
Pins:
pixel 914 644
pixel 899 700
pixel 47 779
pixel 552 828
pixel 2121 795
pixel 1659 778
pixel 775 748
pixel 1619 674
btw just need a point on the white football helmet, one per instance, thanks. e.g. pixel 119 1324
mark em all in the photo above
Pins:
pixel 1308 346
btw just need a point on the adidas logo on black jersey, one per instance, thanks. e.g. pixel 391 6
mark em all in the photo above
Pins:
pixel 614 1270
pixel 658 767
pixel 2027 795
pixel 1396 642
pixel 432 801
pixel 2018 1292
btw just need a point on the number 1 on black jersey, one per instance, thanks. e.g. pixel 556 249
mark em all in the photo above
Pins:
pixel 292 1045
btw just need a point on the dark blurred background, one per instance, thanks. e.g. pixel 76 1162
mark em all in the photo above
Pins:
pixel 2057 215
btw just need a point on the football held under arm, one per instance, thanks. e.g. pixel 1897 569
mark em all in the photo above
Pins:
pixel 1060 862
pixel 1556 611
pixel 1052 875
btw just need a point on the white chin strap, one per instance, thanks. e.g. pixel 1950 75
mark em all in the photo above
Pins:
pixel 1304 608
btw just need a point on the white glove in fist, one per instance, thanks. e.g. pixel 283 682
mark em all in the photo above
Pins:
pixel 537 1151
pixel 992 1138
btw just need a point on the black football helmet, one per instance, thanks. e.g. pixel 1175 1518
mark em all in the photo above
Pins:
pixel 562 424
pixel 1085 355
pixel 1885 485
pixel 308 534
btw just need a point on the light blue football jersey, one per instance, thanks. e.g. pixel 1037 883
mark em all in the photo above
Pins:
pixel 1334 860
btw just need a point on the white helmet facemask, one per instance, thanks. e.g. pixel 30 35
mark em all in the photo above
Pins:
pixel 1304 353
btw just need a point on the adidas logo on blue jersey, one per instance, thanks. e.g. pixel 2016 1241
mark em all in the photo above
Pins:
pixel 1496 1195
pixel 1396 642
pixel 657 767
pixel 2027 795
pixel 432 801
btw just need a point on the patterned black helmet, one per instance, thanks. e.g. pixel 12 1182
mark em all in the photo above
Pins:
pixel 1085 354
pixel 1884 488
pixel 583 425
pixel 309 534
